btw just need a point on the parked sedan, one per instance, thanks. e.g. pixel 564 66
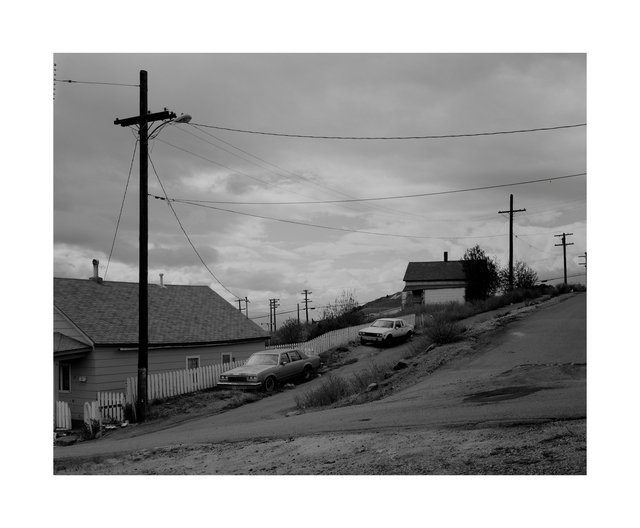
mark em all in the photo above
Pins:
pixel 386 331
pixel 270 368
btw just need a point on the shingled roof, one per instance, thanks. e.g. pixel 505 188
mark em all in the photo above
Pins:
pixel 63 343
pixel 435 271
pixel 107 313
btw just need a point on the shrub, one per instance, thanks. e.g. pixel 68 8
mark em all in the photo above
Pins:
pixel 362 379
pixel 291 331
pixel 444 330
pixel 91 430
pixel 334 388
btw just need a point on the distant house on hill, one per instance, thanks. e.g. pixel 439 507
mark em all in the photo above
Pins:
pixel 96 334
pixel 435 282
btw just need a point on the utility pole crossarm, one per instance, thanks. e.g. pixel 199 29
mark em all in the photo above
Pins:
pixel 585 260
pixel 137 120
pixel 306 303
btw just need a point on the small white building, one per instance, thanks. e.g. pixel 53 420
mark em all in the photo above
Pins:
pixel 435 282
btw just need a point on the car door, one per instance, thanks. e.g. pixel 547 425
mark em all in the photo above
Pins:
pixel 296 363
pixel 286 367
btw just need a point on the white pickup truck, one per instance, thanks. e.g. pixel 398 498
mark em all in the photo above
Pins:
pixel 386 331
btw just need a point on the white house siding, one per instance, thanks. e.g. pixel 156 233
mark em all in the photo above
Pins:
pixel 107 368
pixel 443 295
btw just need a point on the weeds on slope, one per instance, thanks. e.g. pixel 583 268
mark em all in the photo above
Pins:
pixel 334 389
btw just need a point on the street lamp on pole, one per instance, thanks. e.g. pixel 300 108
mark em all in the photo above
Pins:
pixel 143 120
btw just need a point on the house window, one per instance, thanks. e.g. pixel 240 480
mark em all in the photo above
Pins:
pixel 64 377
pixel 193 362
pixel 226 359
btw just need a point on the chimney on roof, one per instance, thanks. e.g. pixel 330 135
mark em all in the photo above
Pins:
pixel 96 278
pixel 446 256
pixel 162 280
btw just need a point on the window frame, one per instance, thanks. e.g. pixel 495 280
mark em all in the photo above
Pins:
pixel 294 355
pixel 190 358
pixel 284 355
pixel 64 365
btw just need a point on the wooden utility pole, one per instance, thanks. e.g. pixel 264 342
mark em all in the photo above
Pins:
pixel 143 121
pixel 246 305
pixel 564 245
pixel 273 304
pixel 585 260
pixel 306 303
pixel 511 211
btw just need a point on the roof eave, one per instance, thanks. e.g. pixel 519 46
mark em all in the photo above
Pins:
pixel 192 344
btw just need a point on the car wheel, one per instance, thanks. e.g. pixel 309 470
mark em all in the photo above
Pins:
pixel 362 341
pixel 270 384
pixel 307 373
pixel 387 341
pixel 409 335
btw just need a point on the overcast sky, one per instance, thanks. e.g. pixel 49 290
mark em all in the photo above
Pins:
pixel 362 247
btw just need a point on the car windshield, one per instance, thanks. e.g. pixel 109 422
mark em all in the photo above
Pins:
pixel 383 324
pixel 263 359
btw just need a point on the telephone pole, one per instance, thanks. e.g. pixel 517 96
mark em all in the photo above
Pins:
pixel 564 245
pixel 273 304
pixel 585 260
pixel 511 211
pixel 143 121
pixel 246 305
pixel 306 303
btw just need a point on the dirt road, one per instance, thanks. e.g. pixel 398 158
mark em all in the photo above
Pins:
pixel 510 399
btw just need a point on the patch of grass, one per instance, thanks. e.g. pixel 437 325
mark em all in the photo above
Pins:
pixel 333 389
pixel 199 401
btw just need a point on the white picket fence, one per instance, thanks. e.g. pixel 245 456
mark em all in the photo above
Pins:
pixel 111 406
pixel 173 383
pixel 333 339
pixel 63 415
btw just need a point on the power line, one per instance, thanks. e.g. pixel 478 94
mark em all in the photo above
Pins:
pixel 560 278
pixel 396 197
pixel 186 234
pixel 344 229
pixel 212 161
pixel 349 200
pixel 293 174
pixel 532 247
pixel 93 82
pixel 443 136
pixel 121 208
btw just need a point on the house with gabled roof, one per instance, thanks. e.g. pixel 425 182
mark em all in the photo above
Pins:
pixel 435 282
pixel 96 334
